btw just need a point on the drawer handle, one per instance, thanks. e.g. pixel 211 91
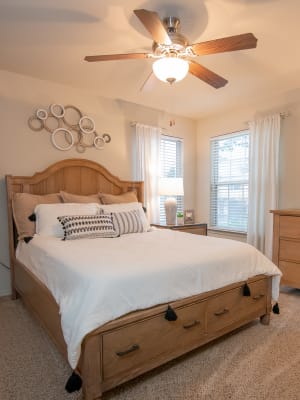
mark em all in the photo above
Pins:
pixel 258 296
pixel 132 348
pixel 192 324
pixel 224 311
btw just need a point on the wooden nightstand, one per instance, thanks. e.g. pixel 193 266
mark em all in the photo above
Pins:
pixel 197 229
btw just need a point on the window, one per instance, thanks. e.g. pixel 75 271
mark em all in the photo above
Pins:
pixel 171 161
pixel 229 181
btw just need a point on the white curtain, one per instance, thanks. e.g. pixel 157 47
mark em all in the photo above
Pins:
pixel 147 166
pixel 263 181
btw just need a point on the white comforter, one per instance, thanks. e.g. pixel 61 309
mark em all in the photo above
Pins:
pixel 97 280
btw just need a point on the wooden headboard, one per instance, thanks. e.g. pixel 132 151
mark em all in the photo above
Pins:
pixel 77 176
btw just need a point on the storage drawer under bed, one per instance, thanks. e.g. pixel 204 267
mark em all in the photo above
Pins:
pixel 149 341
pixel 228 308
pixel 138 343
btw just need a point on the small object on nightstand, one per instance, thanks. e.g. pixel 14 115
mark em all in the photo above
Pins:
pixel 189 216
pixel 180 218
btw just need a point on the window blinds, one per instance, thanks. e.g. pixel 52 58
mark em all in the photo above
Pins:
pixel 229 181
pixel 171 165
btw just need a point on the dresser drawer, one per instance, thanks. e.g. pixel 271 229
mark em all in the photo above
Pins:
pixel 289 250
pixel 290 273
pixel 137 344
pixel 290 227
pixel 232 306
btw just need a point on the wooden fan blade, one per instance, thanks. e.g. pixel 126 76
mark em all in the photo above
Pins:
pixel 154 26
pixel 109 57
pixel 206 75
pixel 231 43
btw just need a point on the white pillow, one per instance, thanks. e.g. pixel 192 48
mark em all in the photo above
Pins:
pixel 114 208
pixel 47 223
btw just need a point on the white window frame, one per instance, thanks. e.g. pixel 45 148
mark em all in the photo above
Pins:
pixel 176 173
pixel 225 192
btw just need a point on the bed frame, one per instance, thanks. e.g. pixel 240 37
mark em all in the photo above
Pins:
pixel 137 342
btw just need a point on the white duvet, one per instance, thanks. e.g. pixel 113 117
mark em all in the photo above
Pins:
pixel 97 280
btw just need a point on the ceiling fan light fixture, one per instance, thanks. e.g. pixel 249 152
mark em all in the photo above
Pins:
pixel 170 69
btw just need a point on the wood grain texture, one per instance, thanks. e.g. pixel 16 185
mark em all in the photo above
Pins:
pixel 286 245
pixel 231 43
pixel 290 273
pixel 275 250
pixel 111 57
pixel 154 26
pixel 288 211
pixel 290 227
pixel 196 229
pixel 101 369
pixel 206 75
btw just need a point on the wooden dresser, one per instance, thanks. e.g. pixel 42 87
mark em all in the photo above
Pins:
pixel 286 245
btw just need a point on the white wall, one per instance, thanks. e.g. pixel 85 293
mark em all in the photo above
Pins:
pixel 23 151
pixel 289 186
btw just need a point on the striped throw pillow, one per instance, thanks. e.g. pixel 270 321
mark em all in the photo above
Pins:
pixel 87 226
pixel 127 222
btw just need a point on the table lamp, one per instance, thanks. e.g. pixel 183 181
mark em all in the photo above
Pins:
pixel 171 187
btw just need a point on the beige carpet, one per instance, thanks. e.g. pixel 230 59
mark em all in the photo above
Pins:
pixel 258 362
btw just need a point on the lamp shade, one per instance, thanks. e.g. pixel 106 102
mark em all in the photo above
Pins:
pixel 170 69
pixel 171 187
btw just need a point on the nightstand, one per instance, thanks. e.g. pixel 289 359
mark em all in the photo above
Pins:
pixel 197 229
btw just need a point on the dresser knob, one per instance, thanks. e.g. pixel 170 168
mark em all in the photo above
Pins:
pixel 192 324
pixel 124 352
pixel 221 312
pixel 258 296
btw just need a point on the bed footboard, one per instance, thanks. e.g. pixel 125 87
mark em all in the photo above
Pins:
pixel 141 341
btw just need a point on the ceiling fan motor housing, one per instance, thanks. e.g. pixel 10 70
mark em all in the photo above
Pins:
pixel 179 41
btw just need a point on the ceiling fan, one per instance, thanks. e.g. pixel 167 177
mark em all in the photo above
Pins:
pixel 173 55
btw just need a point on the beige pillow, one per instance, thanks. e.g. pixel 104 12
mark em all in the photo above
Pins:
pixel 23 205
pixel 128 197
pixel 77 198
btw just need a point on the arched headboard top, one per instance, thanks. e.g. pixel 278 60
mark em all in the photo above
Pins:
pixel 78 176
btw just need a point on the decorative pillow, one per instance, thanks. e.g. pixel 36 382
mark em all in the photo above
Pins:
pixel 127 197
pixel 114 208
pixel 47 223
pixel 127 222
pixel 87 226
pixel 77 198
pixel 23 205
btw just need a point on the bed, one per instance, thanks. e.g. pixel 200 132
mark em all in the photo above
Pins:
pixel 138 340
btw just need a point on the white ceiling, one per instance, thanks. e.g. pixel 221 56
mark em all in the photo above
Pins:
pixel 48 40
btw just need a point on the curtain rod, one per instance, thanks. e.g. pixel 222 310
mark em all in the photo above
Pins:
pixel 134 123
pixel 283 115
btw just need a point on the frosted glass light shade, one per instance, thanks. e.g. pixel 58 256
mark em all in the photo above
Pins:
pixel 170 69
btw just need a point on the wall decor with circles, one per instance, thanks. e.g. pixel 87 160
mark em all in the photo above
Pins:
pixel 68 128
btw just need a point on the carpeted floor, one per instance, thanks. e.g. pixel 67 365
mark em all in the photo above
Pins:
pixel 255 363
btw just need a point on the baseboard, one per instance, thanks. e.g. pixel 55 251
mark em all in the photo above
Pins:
pixel 5 293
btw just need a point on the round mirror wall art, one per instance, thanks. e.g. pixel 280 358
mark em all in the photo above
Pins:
pixel 68 128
